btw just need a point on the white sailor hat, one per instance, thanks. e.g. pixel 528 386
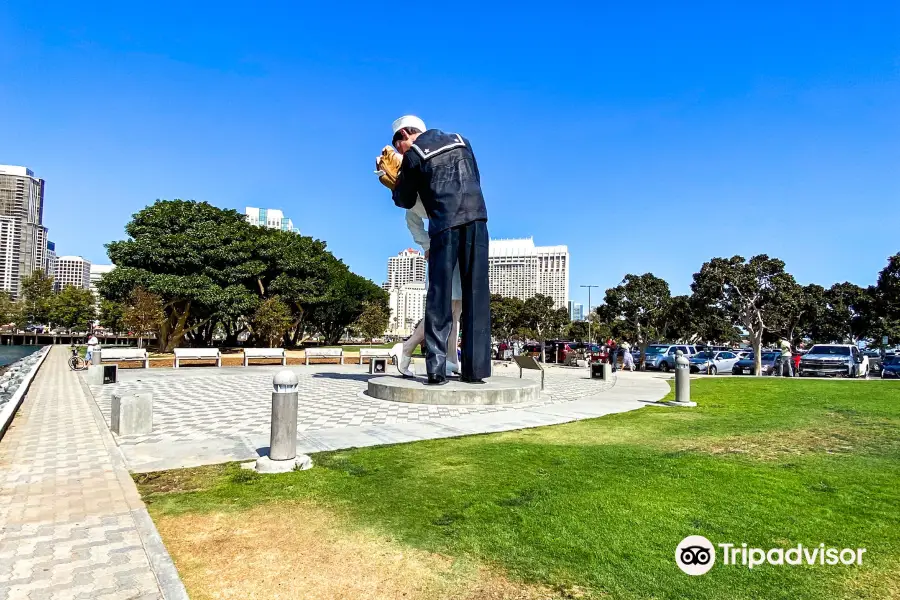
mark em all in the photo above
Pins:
pixel 407 121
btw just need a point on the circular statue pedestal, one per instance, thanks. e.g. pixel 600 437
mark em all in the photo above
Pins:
pixel 495 390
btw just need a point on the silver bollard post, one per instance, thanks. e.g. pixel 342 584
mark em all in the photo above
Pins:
pixel 283 438
pixel 682 381
pixel 283 435
pixel 95 356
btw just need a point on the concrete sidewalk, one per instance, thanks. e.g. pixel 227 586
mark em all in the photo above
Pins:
pixel 71 522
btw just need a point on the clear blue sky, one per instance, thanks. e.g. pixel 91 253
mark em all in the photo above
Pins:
pixel 646 137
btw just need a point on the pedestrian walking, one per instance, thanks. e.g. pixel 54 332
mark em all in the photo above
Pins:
pixel 627 358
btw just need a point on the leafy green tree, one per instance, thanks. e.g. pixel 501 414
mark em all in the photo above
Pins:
pixel 112 315
pixel 845 316
pixel 577 331
pixel 602 326
pixel 344 301
pixel 803 311
pixel 271 321
pixel 211 268
pixel 540 320
pixel 373 320
pixel 884 319
pixel 144 314
pixel 8 309
pixel 506 317
pixel 750 292
pixel 73 307
pixel 37 295
pixel 638 308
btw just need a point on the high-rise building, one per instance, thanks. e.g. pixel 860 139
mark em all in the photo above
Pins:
pixel 96 272
pixel 519 269
pixel 407 304
pixel 23 237
pixel 73 270
pixel 269 217
pixel 407 267
pixel 50 259
pixel 576 311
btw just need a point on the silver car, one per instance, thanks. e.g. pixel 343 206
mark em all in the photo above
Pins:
pixel 712 362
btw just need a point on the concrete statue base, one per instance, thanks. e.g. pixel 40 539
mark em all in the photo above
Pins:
pixel 495 390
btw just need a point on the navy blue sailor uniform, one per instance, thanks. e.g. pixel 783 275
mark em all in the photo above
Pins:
pixel 441 170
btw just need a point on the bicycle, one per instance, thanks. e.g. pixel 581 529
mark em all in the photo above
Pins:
pixel 76 363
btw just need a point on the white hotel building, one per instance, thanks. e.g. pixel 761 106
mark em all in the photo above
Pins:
pixel 74 271
pixel 519 269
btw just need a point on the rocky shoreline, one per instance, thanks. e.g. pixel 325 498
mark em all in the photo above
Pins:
pixel 12 375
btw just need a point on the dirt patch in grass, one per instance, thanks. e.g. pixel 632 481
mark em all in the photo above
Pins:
pixel 874 583
pixel 296 550
pixel 178 480
pixel 839 434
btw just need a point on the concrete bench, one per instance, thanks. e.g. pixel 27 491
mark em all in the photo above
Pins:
pixel 371 353
pixel 197 354
pixel 324 353
pixel 121 354
pixel 268 353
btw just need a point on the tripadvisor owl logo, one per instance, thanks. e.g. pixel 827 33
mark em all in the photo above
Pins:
pixel 695 555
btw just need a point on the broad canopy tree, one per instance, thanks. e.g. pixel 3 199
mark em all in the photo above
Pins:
pixel 750 292
pixel 637 308
pixel 211 268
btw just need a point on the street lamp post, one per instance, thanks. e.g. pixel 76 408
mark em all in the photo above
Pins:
pixel 590 339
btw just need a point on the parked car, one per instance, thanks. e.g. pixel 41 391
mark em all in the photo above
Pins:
pixel 662 356
pixel 875 360
pixel 890 368
pixel 843 360
pixel 745 365
pixel 713 362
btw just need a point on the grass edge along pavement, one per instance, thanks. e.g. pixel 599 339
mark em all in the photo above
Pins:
pixel 598 506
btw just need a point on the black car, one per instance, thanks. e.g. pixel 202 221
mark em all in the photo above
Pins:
pixel 890 368
pixel 745 365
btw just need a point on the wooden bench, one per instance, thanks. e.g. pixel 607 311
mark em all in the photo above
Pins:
pixel 371 353
pixel 197 354
pixel 324 353
pixel 268 353
pixel 122 354
pixel 529 362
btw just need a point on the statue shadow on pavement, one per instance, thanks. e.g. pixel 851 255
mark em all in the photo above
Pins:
pixel 351 376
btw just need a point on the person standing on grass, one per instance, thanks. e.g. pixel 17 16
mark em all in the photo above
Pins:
pixel 787 359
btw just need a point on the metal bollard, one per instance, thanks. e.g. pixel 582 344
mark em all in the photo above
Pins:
pixel 95 356
pixel 283 438
pixel 682 381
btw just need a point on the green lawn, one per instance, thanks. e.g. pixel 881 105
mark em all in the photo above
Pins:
pixel 599 506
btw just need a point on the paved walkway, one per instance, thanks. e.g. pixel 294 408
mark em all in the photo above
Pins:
pixel 71 522
pixel 210 415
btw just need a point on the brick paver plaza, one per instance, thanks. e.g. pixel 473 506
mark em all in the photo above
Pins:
pixel 71 522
